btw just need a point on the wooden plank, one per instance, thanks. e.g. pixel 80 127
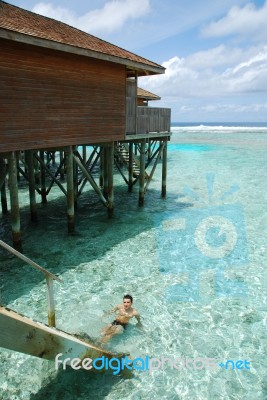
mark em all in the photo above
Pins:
pixel 21 334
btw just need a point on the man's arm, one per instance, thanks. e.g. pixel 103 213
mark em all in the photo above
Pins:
pixel 111 311
pixel 139 323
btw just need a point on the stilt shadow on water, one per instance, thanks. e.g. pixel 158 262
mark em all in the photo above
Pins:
pixel 48 243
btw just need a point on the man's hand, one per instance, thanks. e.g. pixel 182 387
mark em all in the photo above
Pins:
pixel 110 312
pixel 139 323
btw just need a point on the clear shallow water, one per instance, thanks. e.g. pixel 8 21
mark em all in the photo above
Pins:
pixel 182 317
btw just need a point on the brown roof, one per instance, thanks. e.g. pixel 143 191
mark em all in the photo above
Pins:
pixel 145 94
pixel 32 26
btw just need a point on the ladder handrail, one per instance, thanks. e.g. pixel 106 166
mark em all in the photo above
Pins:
pixel 49 280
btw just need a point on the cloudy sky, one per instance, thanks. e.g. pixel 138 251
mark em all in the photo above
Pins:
pixel 215 51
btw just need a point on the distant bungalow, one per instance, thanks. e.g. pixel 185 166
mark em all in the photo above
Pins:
pixel 61 88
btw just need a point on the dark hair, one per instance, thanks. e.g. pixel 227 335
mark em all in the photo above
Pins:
pixel 128 296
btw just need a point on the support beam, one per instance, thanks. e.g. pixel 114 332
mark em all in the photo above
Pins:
pixel 75 182
pixel 164 169
pixel 105 176
pixel 31 177
pixel 42 167
pixel 110 161
pixel 90 179
pixel 142 173
pixel 3 172
pixel 3 199
pixel 70 191
pixel 14 201
pixel 84 154
pixel 101 173
pixel 130 180
pixel 160 150
pixel 46 169
pixel 61 161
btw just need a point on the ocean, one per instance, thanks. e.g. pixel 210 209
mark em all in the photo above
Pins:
pixel 195 264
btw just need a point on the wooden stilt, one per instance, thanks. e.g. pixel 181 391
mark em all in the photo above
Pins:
pixel 23 156
pixel 101 174
pixel 3 199
pixel 164 170
pixel 142 173
pixel 70 191
pixel 75 182
pixel 17 153
pixel 53 156
pixel 110 161
pixel 130 178
pixel 14 201
pixel 61 157
pixel 84 154
pixel 3 172
pixel 105 170
pixel 43 185
pixel 149 152
pixel 31 177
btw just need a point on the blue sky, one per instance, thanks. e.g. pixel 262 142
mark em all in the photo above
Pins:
pixel 215 51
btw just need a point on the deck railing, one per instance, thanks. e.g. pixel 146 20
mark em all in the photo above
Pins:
pixel 49 281
pixel 149 119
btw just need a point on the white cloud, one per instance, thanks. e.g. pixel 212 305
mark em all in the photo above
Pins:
pixel 110 18
pixel 215 57
pixel 243 21
pixel 59 13
pixel 187 77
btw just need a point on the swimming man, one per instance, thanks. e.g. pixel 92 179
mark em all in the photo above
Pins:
pixel 125 312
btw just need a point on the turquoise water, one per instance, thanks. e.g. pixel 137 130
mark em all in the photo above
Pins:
pixel 192 305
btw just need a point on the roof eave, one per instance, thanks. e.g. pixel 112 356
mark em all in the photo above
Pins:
pixel 141 68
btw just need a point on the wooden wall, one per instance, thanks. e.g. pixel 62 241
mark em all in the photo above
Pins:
pixel 131 96
pixel 50 98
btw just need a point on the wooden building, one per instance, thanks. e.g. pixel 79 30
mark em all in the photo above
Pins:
pixel 144 96
pixel 61 88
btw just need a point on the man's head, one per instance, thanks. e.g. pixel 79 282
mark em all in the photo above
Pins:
pixel 127 301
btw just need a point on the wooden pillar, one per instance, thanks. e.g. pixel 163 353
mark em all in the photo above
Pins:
pixel 14 201
pixel 75 181
pixel 43 188
pixel 61 155
pixel 105 172
pixel 3 199
pixel 31 177
pixel 48 159
pixel 84 154
pixel 53 157
pixel 149 149
pixel 130 178
pixel 101 172
pixel 164 170
pixel 17 155
pixel 70 191
pixel 3 172
pixel 110 162
pixel 142 173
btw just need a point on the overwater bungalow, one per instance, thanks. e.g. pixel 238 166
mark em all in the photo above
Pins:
pixel 61 90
